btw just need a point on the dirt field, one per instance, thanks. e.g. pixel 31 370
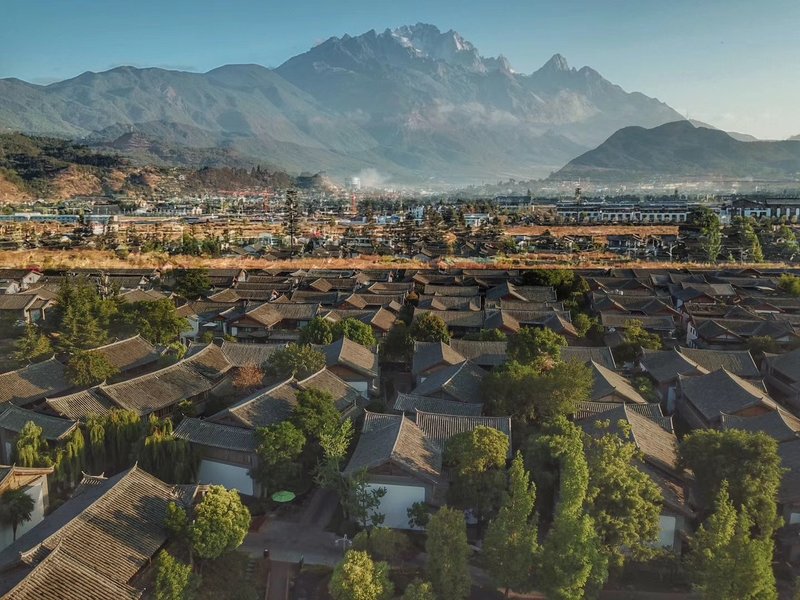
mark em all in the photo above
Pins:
pixel 99 259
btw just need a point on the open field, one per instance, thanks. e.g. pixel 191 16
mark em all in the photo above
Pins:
pixel 101 259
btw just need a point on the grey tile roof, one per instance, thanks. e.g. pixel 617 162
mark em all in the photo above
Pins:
pixel 659 446
pixel 395 439
pixel 262 408
pixel 440 428
pixel 787 364
pixel 451 290
pixel 588 410
pixel 242 354
pixel 207 433
pixel 483 354
pixel 350 354
pixel 461 381
pixel 128 354
pixel 13 418
pixel 34 382
pixel 722 392
pixel 738 362
pixel 81 404
pixel 409 403
pixel 584 354
pixel 778 424
pixel 344 395
pixel 431 354
pixel 111 529
pixel 666 365
pixel 607 383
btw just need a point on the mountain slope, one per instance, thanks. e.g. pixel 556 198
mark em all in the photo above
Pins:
pixel 680 149
pixel 415 103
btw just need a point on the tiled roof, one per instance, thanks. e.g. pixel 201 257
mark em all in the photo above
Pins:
pixel 483 354
pixel 655 323
pixel 659 446
pixel 589 410
pixel 129 353
pixel 430 354
pixel 440 428
pixel 451 290
pixel 344 395
pixel 410 403
pixel 778 424
pixel 790 483
pixel 242 354
pixel 461 381
pixel 34 382
pixel 738 362
pixel 81 404
pixel 607 382
pixel 787 364
pixel 207 433
pixel 13 418
pixel 666 365
pixel 395 439
pixel 350 354
pixel 722 392
pixel 584 354
pixel 110 529
pixel 455 318
pixel 261 409
pixel 185 379
pixel 449 302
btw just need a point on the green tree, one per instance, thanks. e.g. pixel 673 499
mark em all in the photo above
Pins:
pixel 16 508
pixel 317 331
pixel 742 231
pixel 429 328
pixel 572 564
pixel 360 500
pixel 448 552
pixel 623 500
pixel 174 580
pixel 31 447
pixel 477 459
pixel 532 343
pixel 220 522
pixel 85 369
pixel 358 577
pixel 710 231
pixel 156 321
pixel 748 462
pixel 789 284
pixel 419 590
pixel 296 361
pixel 635 338
pixel 192 283
pixel 315 413
pixel 382 543
pixel 487 335
pixel 398 344
pixel 354 330
pixel 278 448
pixel 725 561
pixel 33 346
pixel 82 317
pixel 169 458
pixel 535 395
pixel 419 515
pixel 510 546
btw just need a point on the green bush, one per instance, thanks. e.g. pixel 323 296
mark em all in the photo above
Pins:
pixel 383 543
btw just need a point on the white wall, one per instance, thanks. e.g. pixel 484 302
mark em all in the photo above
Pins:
pixel 666 533
pixel 232 477
pixel 397 501
pixel 36 492
pixel 361 386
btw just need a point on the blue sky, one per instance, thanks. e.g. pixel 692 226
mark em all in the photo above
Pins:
pixel 732 63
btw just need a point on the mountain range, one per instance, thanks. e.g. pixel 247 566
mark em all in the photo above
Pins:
pixel 413 105
pixel 683 150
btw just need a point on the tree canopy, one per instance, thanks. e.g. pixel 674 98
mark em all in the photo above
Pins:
pixel 33 346
pixel 192 283
pixel 448 553
pixel 747 463
pixel 85 369
pixel 354 330
pixel 16 508
pixel 296 361
pixel 174 580
pixel 532 343
pixel 278 448
pixel 635 337
pixel 317 331
pixel 358 577
pixel 510 546
pixel 535 393
pixel 429 328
